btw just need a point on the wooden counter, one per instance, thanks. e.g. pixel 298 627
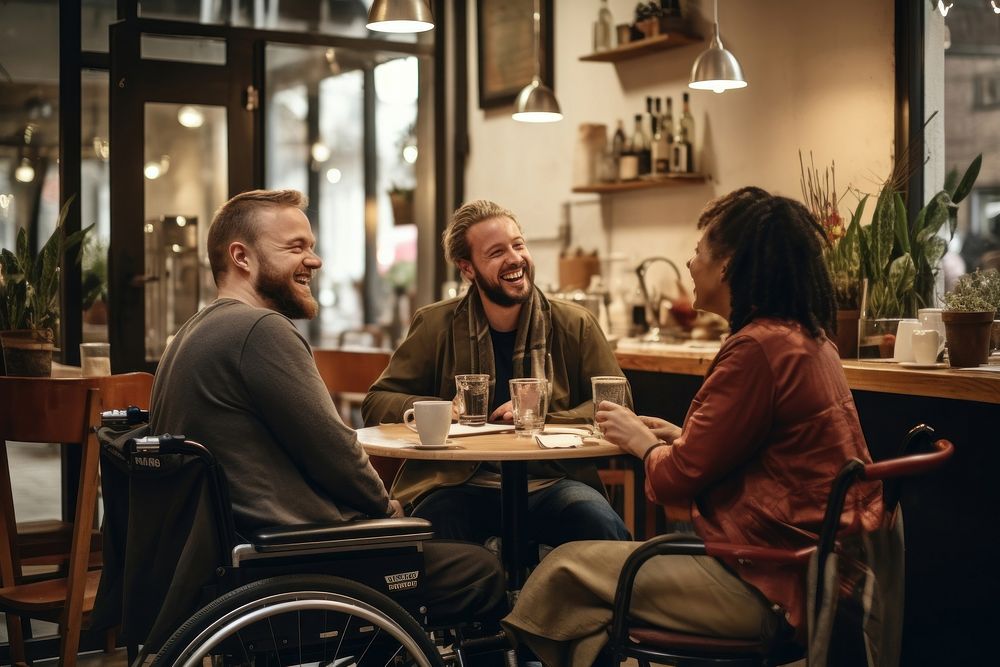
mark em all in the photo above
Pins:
pixel 864 375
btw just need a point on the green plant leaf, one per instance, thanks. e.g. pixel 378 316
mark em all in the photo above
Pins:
pixel 968 180
pixel 934 250
pixel 936 214
pixel 882 234
pixel 901 228
pixel 901 275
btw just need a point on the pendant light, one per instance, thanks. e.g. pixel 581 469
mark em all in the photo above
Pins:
pixel 536 103
pixel 400 16
pixel 716 68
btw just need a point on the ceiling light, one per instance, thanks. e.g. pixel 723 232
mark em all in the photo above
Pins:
pixel 333 175
pixel 536 103
pixel 410 154
pixel 320 152
pixel 152 170
pixel 25 173
pixel 400 16
pixel 716 69
pixel 190 116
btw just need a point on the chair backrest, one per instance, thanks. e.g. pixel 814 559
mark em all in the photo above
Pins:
pixel 353 371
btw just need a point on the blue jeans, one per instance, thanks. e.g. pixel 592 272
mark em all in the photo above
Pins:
pixel 566 511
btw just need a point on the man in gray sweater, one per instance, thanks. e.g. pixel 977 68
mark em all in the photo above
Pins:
pixel 239 378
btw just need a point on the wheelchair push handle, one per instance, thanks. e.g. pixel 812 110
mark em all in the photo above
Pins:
pixel 131 415
pixel 154 443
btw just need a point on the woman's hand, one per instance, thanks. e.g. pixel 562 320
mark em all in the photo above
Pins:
pixel 662 429
pixel 622 427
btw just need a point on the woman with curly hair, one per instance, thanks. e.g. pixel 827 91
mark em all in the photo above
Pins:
pixel 761 443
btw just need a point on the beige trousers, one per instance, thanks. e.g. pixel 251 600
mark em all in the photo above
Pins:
pixel 564 610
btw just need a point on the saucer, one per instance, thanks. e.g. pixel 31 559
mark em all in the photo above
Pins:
pixel 913 364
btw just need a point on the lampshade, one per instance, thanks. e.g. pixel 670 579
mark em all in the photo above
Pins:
pixel 536 103
pixel 400 16
pixel 716 68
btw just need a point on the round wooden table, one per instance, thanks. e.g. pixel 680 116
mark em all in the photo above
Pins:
pixel 511 452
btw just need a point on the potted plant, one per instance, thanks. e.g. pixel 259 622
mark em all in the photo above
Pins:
pixel 842 255
pixel 94 285
pixel 968 317
pixel 401 200
pixel 29 299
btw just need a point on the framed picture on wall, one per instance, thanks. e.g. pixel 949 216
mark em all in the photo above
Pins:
pixel 506 48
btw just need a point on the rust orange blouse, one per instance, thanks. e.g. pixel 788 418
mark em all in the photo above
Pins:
pixel 761 443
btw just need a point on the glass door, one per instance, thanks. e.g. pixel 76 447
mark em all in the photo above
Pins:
pixel 182 117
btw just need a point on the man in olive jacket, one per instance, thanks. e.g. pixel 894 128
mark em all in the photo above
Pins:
pixel 504 327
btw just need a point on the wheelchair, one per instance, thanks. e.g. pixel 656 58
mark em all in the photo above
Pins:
pixel 181 582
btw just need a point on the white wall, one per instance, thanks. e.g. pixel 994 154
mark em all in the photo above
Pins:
pixel 821 78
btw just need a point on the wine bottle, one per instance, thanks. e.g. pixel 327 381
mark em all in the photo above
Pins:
pixel 640 146
pixel 687 129
pixel 604 29
pixel 661 147
pixel 667 125
pixel 618 148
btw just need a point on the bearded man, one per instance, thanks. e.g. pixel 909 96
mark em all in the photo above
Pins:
pixel 504 327
pixel 239 378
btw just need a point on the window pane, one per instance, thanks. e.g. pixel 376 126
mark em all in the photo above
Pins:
pixel 345 18
pixel 183 49
pixel 95 204
pixel 95 19
pixel 315 143
pixel 972 126
pixel 186 176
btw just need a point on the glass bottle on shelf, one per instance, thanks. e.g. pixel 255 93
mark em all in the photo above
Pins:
pixel 667 127
pixel 661 149
pixel 618 147
pixel 604 29
pixel 640 146
pixel 687 129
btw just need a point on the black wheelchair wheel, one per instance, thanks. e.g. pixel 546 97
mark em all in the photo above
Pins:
pixel 300 620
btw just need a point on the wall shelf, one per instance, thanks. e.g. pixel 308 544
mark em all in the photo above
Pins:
pixel 668 181
pixel 642 47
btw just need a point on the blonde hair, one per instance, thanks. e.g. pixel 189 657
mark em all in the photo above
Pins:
pixel 236 220
pixel 454 239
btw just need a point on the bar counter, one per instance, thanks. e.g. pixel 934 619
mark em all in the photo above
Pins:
pixel 889 378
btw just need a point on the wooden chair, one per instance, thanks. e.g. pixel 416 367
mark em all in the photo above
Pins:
pixel 46 410
pixel 620 476
pixel 348 375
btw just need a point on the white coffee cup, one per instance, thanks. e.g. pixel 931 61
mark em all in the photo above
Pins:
pixel 431 420
pixel 924 343
pixel 902 350
pixel 930 318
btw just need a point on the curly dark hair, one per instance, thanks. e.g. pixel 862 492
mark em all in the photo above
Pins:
pixel 776 266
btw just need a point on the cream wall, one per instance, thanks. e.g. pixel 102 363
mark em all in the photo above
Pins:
pixel 821 78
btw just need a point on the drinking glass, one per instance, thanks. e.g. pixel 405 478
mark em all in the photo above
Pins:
pixel 472 397
pixel 529 397
pixel 95 359
pixel 611 388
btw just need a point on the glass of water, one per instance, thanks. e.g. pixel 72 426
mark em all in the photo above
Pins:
pixel 529 397
pixel 611 388
pixel 472 396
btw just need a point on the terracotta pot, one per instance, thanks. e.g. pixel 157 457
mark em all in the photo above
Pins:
pixel 968 337
pixel 27 352
pixel 847 333
pixel 402 207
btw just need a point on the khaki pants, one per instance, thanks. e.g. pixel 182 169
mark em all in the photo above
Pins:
pixel 564 610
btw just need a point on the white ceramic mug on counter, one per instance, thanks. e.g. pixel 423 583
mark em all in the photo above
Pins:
pixel 930 318
pixel 924 343
pixel 902 350
pixel 432 421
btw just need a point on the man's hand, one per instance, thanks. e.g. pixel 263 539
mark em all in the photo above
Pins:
pixel 504 414
pixel 622 427
pixel 397 509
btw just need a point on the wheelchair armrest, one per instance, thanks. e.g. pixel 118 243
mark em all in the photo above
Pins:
pixel 689 545
pixel 369 532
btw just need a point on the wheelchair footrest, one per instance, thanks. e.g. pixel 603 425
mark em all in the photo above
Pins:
pixel 353 533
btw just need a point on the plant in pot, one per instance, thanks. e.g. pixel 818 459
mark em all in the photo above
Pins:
pixel 401 200
pixel 968 317
pixel 94 285
pixel 29 299
pixel 900 258
pixel 842 254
